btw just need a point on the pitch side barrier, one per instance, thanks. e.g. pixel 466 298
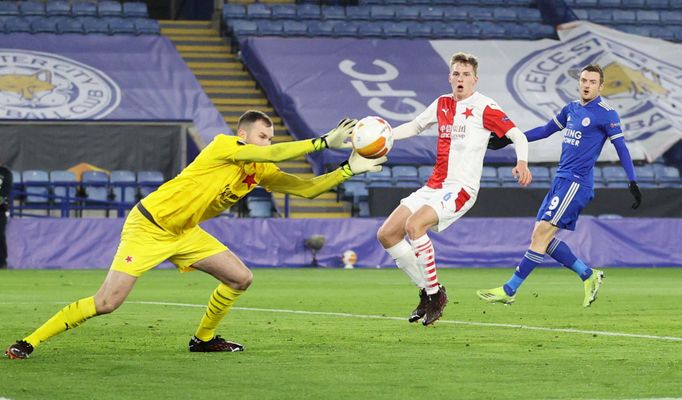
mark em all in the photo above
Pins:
pixel 472 242
pixel 524 202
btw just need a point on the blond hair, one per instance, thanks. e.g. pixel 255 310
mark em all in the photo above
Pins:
pixel 465 58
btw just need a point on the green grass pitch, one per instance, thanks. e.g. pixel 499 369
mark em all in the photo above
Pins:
pixel 344 343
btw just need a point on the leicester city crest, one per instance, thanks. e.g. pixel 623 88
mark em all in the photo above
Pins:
pixel 36 85
pixel 645 90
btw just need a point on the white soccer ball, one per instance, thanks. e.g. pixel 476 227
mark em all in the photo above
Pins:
pixel 349 259
pixel 372 137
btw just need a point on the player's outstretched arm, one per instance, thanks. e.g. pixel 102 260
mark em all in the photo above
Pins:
pixel 520 171
pixel 628 166
pixel 540 132
pixel 283 182
pixel 406 130
pixel 336 138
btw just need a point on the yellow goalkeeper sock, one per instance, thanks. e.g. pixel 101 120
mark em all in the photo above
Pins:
pixel 68 317
pixel 219 304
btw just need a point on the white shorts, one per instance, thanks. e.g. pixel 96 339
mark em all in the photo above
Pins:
pixel 450 203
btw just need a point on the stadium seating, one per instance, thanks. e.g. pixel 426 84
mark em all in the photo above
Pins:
pixel 654 18
pixel 425 172
pixel 148 181
pixel 82 17
pixel 284 11
pixel 84 9
pixel 333 13
pixel 121 26
pixel 406 176
pixel 489 177
pixel 355 190
pixel 8 8
pixel 44 190
pixel 144 26
pixel 16 180
pixel 95 185
pixel 17 25
pixel 123 185
pixel 384 176
pixel 541 176
pixel 615 176
pixel 64 186
pixel 259 207
pixel 31 8
pixel 422 19
pixel 667 175
pixel 58 8
pixel 259 203
pixel 135 10
pixel 44 25
pixel 70 25
pixel 109 9
pixel 36 184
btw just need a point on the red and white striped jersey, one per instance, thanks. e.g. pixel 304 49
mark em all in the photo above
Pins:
pixel 463 131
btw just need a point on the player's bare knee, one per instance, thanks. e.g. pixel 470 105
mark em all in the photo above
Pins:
pixel 246 282
pixel 387 238
pixel 241 282
pixel 106 306
pixel 414 230
pixel 541 236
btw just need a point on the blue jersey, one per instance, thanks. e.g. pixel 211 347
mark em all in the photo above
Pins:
pixel 586 128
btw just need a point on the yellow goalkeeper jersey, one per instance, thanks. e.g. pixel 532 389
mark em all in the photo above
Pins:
pixel 224 172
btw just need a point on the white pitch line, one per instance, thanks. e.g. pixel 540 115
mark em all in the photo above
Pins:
pixel 442 321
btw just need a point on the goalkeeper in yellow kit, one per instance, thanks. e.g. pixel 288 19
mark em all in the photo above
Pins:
pixel 164 225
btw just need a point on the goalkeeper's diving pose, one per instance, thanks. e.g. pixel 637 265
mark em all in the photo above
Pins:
pixel 586 123
pixel 165 224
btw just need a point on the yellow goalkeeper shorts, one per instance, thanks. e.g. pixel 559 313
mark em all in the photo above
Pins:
pixel 144 246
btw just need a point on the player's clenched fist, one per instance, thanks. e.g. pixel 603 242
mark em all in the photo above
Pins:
pixel 522 173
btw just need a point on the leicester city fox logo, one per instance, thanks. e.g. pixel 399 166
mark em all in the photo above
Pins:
pixel 643 89
pixel 36 85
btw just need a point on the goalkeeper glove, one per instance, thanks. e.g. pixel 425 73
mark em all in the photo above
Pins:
pixel 496 143
pixel 337 137
pixel 358 164
pixel 636 193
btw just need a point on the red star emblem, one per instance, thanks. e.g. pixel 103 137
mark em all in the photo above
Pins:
pixel 469 112
pixel 129 259
pixel 249 180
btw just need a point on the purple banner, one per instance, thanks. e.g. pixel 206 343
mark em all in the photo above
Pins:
pixel 313 83
pixel 80 77
pixel 471 242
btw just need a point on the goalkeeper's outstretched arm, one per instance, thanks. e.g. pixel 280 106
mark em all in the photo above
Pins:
pixel 282 182
pixel 337 138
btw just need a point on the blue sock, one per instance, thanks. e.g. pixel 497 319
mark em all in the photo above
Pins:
pixel 560 251
pixel 530 260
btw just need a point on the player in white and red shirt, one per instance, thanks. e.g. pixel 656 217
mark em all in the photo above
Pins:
pixel 465 119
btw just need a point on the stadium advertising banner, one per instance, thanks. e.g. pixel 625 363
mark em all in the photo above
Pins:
pixel 313 83
pixel 267 242
pixel 111 78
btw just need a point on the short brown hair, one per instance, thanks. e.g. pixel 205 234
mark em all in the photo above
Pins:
pixel 594 68
pixel 251 116
pixel 465 58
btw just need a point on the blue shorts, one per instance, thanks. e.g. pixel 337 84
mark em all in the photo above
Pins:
pixel 564 202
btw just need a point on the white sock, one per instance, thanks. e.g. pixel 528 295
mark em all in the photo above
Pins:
pixel 426 260
pixel 403 255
